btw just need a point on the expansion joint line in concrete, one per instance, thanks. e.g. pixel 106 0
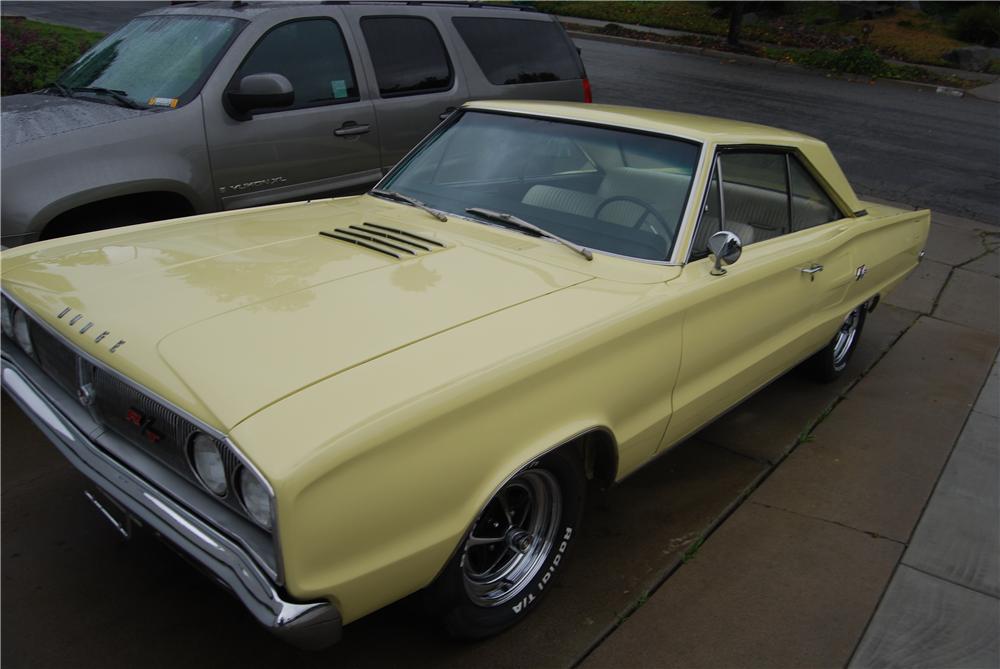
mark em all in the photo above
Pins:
pixel 873 535
pixel 913 531
pixel 731 509
pixel 947 580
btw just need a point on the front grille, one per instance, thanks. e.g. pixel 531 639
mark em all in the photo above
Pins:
pixel 138 418
pixel 56 359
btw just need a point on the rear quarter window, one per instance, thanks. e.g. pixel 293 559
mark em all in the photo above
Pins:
pixel 518 51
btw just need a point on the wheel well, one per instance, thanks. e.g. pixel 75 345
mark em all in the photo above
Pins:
pixel 118 211
pixel 599 452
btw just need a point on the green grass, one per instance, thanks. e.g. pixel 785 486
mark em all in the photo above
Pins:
pixel 33 53
pixel 907 34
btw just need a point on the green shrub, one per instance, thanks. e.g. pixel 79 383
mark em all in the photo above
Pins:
pixel 33 54
pixel 856 60
pixel 979 24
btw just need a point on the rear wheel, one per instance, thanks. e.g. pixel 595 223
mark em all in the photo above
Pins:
pixel 513 550
pixel 830 362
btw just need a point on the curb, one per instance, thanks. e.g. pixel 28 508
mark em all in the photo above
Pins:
pixel 767 62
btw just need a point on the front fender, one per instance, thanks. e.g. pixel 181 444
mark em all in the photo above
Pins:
pixel 379 471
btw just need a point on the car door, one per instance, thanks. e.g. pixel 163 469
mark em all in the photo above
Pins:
pixel 777 304
pixel 416 77
pixel 325 142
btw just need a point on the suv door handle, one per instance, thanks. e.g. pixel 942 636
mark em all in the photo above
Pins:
pixel 351 128
pixel 447 112
pixel 812 270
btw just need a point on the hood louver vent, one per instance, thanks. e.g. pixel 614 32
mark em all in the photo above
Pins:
pixel 389 241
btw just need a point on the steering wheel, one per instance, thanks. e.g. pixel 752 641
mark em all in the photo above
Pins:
pixel 648 211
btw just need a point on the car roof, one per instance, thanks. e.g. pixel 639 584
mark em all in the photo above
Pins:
pixel 251 10
pixel 702 129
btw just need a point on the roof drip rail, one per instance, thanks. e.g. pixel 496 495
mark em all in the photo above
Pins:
pixel 434 3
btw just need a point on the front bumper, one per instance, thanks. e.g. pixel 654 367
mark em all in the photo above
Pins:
pixel 308 625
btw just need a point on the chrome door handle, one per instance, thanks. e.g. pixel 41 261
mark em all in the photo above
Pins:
pixel 351 128
pixel 812 271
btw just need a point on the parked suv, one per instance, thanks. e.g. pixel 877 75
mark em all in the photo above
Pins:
pixel 201 107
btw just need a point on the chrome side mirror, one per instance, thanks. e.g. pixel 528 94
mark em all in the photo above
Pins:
pixel 727 248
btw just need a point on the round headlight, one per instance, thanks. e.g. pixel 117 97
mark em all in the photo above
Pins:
pixel 207 462
pixel 21 333
pixel 8 321
pixel 256 498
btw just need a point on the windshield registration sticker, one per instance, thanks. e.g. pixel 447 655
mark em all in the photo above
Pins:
pixel 163 102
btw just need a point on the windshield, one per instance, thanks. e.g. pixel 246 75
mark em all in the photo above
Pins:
pixel 609 190
pixel 155 60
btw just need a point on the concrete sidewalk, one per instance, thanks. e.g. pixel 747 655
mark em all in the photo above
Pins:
pixel 794 576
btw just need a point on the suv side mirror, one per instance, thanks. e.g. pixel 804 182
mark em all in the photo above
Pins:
pixel 260 91
pixel 727 248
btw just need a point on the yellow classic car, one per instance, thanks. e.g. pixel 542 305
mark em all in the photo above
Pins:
pixel 331 405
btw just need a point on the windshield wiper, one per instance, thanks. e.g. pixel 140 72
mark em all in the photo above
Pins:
pixel 399 197
pixel 59 88
pixel 510 219
pixel 121 97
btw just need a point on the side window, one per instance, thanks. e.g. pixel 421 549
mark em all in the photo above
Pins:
pixel 518 51
pixel 408 55
pixel 313 56
pixel 811 206
pixel 754 203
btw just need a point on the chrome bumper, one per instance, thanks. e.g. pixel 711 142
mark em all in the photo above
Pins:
pixel 310 625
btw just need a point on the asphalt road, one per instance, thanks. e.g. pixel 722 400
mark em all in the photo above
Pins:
pixel 895 142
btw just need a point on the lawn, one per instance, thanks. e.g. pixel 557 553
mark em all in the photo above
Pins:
pixel 32 54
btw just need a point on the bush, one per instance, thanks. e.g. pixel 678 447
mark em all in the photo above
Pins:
pixel 979 24
pixel 856 60
pixel 33 54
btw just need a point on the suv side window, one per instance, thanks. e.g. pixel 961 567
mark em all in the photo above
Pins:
pixel 408 54
pixel 518 51
pixel 312 54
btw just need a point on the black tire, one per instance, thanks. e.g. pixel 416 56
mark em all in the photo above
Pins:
pixel 546 497
pixel 831 361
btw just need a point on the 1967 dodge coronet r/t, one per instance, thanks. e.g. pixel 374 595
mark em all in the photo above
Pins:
pixel 331 405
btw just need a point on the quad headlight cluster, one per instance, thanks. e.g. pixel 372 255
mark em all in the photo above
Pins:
pixel 15 326
pixel 206 457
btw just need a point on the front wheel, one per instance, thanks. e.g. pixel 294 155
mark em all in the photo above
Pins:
pixel 513 550
pixel 830 362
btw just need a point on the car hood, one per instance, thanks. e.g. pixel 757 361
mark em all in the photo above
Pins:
pixel 29 117
pixel 227 313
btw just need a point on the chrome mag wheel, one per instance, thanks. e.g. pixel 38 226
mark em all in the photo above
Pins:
pixel 844 340
pixel 512 538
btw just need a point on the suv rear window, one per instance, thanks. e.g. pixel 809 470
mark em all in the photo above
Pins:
pixel 519 51
pixel 408 55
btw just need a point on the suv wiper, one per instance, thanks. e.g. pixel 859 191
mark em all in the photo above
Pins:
pixel 121 97
pixel 510 219
pixel 399 197
pixel 59 88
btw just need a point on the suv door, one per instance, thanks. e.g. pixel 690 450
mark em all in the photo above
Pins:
pixel 325 142
pixel 416 79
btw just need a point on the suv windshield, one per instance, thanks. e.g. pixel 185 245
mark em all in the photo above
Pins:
pixel 609 190
pixel 155 60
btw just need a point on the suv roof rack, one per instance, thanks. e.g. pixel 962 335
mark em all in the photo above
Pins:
pixel 441 3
